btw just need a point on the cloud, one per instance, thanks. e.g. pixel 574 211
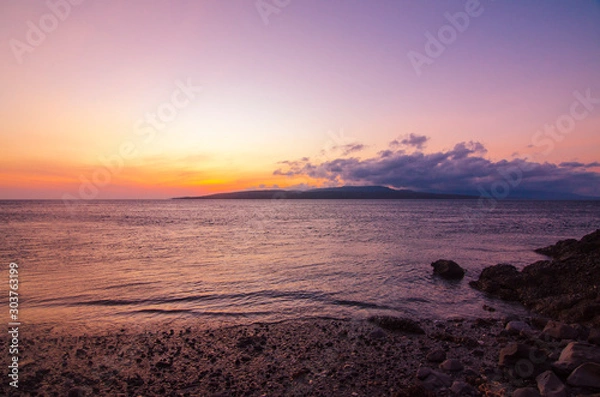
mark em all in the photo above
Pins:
pixel 462 169
pixel 349 148
pixel 412 140
pixel 575 164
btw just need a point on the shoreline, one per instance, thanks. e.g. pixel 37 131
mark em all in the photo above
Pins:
pixel 326 357
pixel 291 357
pixel 378 356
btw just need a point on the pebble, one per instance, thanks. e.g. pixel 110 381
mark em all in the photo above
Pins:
pixel 516 327
pixel 452 365
pixel 377 334
pixel 436 356
pixel 435 380
pixel 462 388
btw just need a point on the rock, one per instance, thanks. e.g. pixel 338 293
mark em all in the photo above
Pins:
pixel 76 392
pixel 423 372
pixel 397 324
pixel 559 330
pixel 462 389
pixel 163 364
pixel 433 380
pixel 577 353
pixel 550 386
pixel 594 336
pixel 512 353
pixel 539 322
pixel 525 360
pixel 436 356
pixel 566 249
pixel 516 327
pixel 451 365
pixel 564 289
pixel 501 280
pixel 583 332
pixel 449 270
pixel 586 375
pixel 526 392
pixel 377 334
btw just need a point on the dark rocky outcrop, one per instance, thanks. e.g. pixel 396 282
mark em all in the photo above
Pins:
pixel 565 288
pixel 449 270
pixel 570 248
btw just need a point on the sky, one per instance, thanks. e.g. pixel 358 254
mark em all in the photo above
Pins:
pixel 138 99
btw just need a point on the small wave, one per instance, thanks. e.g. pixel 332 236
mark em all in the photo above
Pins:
pixel 197 313
pixel 238 299
pixel 161 311
pixel 363 305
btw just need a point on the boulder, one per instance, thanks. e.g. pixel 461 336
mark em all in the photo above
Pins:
pixel 550 386
pixel 559 330
pixel 564 289
pixel 586 375
pixel 577 353
pixel 501 280
pixel 449 270
pixel 566 249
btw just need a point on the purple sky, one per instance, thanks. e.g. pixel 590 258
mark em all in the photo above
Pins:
pixel 329 81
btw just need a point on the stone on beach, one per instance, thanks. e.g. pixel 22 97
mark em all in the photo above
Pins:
pixel 436 356
pixel 550 385
pixel 577 353
pixel 586 375
pixel 451 365
pixel 447 269
pixel 433 380
pixel 512 353
pixel 517 327
pixel 460 388
pixel 559 330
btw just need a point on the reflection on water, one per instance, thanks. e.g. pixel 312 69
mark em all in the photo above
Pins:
pixel 245 261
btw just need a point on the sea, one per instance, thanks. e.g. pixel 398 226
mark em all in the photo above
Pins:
pixel 104 264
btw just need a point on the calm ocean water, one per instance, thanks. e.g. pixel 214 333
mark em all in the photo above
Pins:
pixel 212 261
